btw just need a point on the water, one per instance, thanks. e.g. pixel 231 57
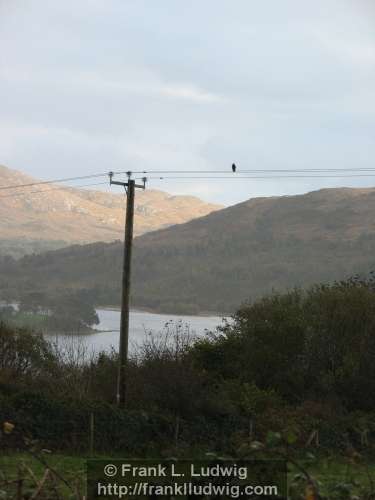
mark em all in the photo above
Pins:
pixel 107 336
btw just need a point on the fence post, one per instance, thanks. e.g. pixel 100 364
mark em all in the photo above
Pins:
pixel 92 434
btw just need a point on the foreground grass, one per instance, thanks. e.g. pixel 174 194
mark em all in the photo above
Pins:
pixel 14 466
pixel 337 478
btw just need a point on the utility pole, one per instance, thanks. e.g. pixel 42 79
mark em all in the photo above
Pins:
pixel 125 293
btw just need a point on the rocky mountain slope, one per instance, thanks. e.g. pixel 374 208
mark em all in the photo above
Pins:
pixel 53 216
pixel 215 262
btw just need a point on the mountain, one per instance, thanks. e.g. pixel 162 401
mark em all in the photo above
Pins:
pixel 51 216
pixel 215 262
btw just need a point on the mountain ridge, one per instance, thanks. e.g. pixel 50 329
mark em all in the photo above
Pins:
pixel 62 215
pixel 215 262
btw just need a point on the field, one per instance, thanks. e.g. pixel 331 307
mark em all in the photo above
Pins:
pixel 337 478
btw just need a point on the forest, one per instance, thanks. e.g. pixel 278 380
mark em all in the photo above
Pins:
pixel 217 274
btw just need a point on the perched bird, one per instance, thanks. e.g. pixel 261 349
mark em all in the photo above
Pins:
pixel 233 167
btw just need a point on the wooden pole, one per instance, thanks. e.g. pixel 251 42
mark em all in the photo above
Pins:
pixel 125 300
pixel 125 294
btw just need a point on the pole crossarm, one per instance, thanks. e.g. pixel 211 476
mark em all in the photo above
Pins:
pixel 126 184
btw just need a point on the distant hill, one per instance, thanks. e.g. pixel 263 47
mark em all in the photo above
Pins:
pixel 52 216
pixel 215 262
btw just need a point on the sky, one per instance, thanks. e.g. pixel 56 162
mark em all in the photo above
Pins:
pixel 89 86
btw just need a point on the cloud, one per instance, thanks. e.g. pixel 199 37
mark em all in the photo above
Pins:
pixel 89 85
pixel 142 83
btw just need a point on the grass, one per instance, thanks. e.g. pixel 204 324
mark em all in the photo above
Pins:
pixel 27 320
pixel 16 465
pixel 339 477
pixel 336 476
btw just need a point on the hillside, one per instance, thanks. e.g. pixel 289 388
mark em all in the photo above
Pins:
pixel 51 217
pixel 215 262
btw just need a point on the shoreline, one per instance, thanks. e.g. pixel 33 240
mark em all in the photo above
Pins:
pixel 160 313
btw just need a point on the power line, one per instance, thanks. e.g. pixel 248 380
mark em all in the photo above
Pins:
pixel 255 171
pixel 238 177
pixel 212 175
pixel 56 181
pixel 27 193
pixel 189 179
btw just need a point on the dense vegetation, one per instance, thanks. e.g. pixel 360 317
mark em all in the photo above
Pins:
pixel 216 262
pixel 299 364
pixel 52 313
pixel 290 375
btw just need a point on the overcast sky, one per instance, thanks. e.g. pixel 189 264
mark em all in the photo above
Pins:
pixel 88 86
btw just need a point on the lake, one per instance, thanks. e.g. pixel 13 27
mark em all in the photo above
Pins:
pixel 107 336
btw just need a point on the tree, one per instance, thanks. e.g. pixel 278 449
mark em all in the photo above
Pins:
pixel 72 311
pixel 317 344
pixel 61 310
pixel 22 355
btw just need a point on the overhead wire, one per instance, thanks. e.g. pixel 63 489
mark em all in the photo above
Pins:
pixel 189 175
pixel 255 171
pixel 57 181
pixel 235 177
pixel 59 188
pixel 54 181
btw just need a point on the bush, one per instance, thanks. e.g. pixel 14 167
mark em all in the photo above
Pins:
pixel 317 344
pixel 63 424
pixel 23 355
